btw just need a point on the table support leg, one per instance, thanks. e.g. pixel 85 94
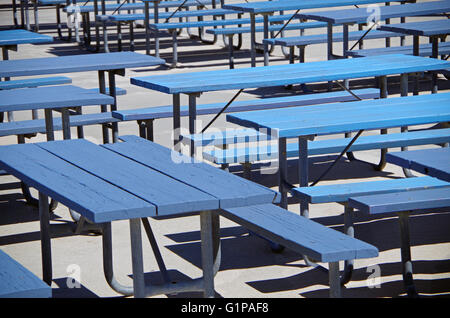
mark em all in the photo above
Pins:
pixel 282 171
pixel 176 121
pixel 416 53
pixel 333 276
pixel 266 36
pixel 103 108
pixel 404 92
pixel 206 224
pixel 112 93
pixel 137 258
pixel 252 40
pixel 192 119
pixel 46 251
pixel 303 174
pixel 403 218
pixel 350 231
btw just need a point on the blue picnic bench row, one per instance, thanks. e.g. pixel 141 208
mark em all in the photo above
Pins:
pixel 214 192
pixel 221 23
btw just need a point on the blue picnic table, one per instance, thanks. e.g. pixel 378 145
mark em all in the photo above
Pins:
pixel 52 98
pixel 434 162
pixel 306 122
pixel 269 7
pixel 112 63
pixel 131 180
pixel 364 15
pixel 194 83
pixel 434 30
pixel 9 39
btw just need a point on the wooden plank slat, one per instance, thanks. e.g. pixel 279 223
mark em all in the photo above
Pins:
pixel 97 200
pixel 231 190
pixel 167 194
pixel 300 234
pixel 402 201
pixel 287 74
pixel 50 97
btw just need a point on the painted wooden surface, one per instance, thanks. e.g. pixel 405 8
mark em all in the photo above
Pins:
pixel 402 201
pixel 268 151
pixel 270 6
pixel 50 97
pixel 342 192
pixel 167 194
pixel 424 28
pixel 139 5
pixel 361 15
pixel 271 28
pixel 424 50
pixel 434 162
pixel 14 37
pixel 228 21
pixel 300 234
pixel 346 117
pixel 38 125
pixel 337 37
pixel 279 75
pixel 35 82
pixel 253 104
pixel 18 282
pixel 98 200
pixel 76 63
pixel 230 190
pixel 165 15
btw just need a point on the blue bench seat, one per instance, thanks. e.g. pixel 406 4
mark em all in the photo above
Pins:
pixel 253 104
pixel 403 203
pixel 269 151
pixel 346 192
pixel 35 82
pixel 303 236
pixel 18 282
pixel 424 50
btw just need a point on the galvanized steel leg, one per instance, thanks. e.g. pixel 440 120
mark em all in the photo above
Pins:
pixel 155 248
pixel 108 262
pixel 350 231
pixel 408 281
pixel 192 119
pixel 46 251
pixel 282 171
pixel 252 40
pixel 112 93
pixel 103 108
pixel 333 276
pixel 303 174
pixel 207 252
pixel 176 121
pixel 266 36
pixel 175 48
pixel 404 92
pixel 137 259
pixel 230 51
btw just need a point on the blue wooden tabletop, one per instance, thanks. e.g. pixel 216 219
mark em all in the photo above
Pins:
pixel 287 74
pixel 424 28
pixel 51 97
pixel 76 63
pixel 131 179
pixel 271 6
pixel 402 201
pixel 361 15
pixel 19 36
pixel 346 117
pixel 434 162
